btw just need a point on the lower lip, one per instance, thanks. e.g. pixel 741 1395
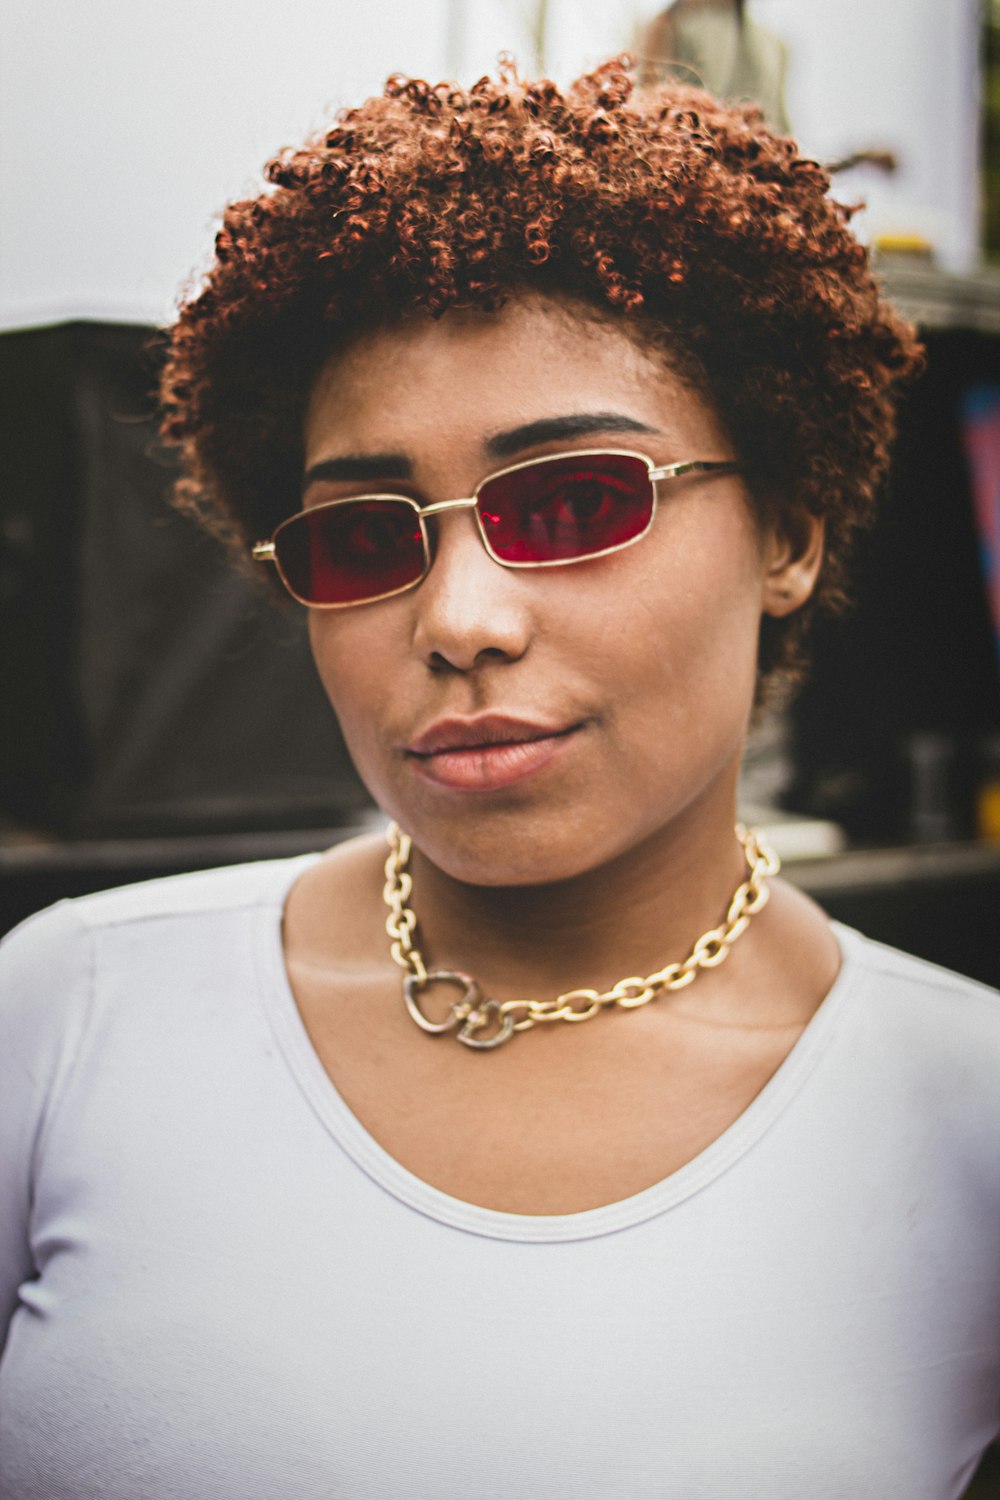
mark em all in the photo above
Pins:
pixel 486 768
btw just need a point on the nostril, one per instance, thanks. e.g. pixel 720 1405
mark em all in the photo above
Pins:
pixel 441 664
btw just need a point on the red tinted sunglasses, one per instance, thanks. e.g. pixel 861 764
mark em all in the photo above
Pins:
pixel 540 514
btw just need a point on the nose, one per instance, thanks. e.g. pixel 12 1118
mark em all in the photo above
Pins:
pixel 468 611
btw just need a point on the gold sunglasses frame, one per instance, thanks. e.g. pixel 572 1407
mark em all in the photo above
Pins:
pixel 266 552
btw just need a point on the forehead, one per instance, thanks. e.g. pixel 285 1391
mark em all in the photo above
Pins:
pixel 470 375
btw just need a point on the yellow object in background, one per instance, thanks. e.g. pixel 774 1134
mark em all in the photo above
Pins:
pixel 988 796
pixel 914 246
pixel 988 810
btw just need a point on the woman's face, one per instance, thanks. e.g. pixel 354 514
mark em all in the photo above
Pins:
pixel 614 693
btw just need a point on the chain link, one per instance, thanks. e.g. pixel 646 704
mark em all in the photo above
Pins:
pixel 575 1005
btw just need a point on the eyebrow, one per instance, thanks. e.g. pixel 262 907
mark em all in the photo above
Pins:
pixel 358 467
pixel 552 429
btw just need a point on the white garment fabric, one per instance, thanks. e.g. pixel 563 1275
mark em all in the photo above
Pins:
pixel 219 1287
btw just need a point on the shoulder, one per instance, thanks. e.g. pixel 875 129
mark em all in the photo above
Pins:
pixel 900 978
pixel 49 965
pixel 924 1021
pixel 201 894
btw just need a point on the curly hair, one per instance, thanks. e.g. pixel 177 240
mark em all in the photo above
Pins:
pixel 712 237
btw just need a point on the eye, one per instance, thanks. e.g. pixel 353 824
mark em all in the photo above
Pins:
pixel 584 502
pixel 370 532
pixel 579 499
pixel 562 509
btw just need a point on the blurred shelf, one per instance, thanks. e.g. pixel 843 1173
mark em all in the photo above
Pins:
pixel 29 854
pixel 937 300
pixel 939 901
pixel 859 870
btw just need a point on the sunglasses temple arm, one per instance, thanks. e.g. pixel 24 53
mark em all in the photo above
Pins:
pixel 263 552
pixel 696 466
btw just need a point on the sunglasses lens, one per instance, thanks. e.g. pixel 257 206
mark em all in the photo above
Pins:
pixel 345 554
pixel 566 508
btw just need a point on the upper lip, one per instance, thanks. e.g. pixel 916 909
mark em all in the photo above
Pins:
pixel 487 729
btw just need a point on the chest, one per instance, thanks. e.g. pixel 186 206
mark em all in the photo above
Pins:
pixel 560 1119
pixel 787 1329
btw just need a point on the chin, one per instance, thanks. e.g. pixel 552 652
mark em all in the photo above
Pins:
pixel 515 849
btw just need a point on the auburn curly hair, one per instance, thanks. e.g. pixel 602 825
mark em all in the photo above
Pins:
pixel 712 237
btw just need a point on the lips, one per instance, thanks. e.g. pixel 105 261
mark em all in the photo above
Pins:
pixel 487 753
pixel 489 729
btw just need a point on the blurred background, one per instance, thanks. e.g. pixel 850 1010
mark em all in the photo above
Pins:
pixel 160 715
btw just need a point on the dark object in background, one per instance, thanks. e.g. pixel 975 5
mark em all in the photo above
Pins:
pixel 913 668
pixel 990 128
pixel 147 686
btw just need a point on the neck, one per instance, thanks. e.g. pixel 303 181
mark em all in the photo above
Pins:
pixel 630 915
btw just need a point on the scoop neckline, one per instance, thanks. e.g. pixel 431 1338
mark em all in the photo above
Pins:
pixel 321 1093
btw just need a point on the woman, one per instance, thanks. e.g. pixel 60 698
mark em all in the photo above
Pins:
pixel 558 412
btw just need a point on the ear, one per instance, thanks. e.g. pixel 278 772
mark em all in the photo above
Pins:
pixel 793 553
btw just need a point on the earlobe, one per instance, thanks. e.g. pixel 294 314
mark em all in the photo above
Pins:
pixel 795 558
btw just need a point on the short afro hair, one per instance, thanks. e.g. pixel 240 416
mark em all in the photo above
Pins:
pixel 711 236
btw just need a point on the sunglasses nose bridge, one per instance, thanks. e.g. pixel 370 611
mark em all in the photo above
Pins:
pixel 443 505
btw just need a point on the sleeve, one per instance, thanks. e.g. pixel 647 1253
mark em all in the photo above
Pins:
pixel 46 979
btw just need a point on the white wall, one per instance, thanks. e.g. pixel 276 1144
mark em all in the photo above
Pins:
pixel 124 128
pixel 899 75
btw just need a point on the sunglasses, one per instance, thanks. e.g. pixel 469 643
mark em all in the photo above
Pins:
pixel 540 514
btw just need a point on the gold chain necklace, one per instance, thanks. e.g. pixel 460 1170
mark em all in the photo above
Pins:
pixel 474 1012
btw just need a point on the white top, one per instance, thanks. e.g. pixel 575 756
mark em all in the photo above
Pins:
pixel 219 1287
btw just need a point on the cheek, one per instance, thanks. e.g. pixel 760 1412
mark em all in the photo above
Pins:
pixel 347 660
pixel 692 687
pixel 695 615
